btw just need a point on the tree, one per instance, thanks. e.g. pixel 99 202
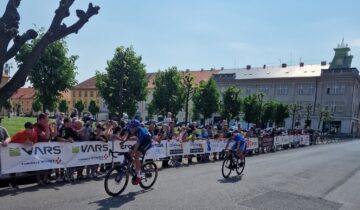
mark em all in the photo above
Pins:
pixel 251 109
pixel 268 113
pixel 124 83
pixel 63 106
pixel 53 72
pixel 308 110
pixel 294 110
pixel 324 116
pixel 168 92
pixel 36 105
pixel 231 103
pixel 79 105
pixel 7 105
pixel 9 33
pixel 281 113
pixel 189 90
pixel 206 99
pixel 93 108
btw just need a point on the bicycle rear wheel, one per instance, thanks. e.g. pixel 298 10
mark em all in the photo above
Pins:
pixel 116 181
pixel 240 165
pixel 226 167
pixel 149 175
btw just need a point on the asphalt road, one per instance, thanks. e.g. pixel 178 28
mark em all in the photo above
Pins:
pixel 317 177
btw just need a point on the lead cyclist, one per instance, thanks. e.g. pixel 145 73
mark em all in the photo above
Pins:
pixel 239 146
pixel 143 143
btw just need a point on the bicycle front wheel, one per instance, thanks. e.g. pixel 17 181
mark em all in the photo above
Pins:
pixel 226 167
pixel 149 176
pixel 116 181
pixel 240 165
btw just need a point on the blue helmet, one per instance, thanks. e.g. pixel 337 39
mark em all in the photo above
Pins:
pixel 133 124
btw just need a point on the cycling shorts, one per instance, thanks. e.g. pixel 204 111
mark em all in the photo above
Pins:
pixel 242 146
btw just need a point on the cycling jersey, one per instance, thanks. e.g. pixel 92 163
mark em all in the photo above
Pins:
pixel 239 139
pixel 143 135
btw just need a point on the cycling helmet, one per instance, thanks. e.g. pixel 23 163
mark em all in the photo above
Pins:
pixel 133 124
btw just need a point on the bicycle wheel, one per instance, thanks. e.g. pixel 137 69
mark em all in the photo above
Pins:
pixel 149 175
pixel 240 167
pixel 116 180
pixel 226 167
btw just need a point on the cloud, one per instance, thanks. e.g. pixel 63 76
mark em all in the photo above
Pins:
pixel 355 43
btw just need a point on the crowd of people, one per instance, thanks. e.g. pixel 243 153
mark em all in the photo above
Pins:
pixel 72 129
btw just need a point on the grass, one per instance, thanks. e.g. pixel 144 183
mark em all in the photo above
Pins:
pixel 15 124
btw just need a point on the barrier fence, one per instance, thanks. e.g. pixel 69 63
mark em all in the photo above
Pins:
pixel 42 156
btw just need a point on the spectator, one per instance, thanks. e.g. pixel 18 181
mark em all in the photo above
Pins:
pixel 168 118
pixel 42 129
pixel 183 136
pixel 27 137
pixel 67 134
pixel 60 120
pixel 153 130
pixel 108 129
pixel 116 135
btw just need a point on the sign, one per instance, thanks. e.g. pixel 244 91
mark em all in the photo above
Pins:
pixel 174 148
pixel 196 147
pixel 304 140
pixel 252 143
pixel 267 142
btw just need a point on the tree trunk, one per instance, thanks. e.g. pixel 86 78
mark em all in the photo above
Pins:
pixel 186 110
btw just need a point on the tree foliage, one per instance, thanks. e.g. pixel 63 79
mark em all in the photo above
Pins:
pixel 168 92
pixel 281 113
pixel 93 108
pixel 63 106
pixel 231 103
pixel 206 99
pixel 53 72
pixel 124 83
pixel 36 105
pixel 79 105
pixel 268 113
pixel 252 109
pixel 9 33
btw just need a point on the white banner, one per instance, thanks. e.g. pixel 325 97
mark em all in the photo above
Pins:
pixel 157 151
pixel 196 147
pixel 304 140
pixel 174 148
pixel 252 143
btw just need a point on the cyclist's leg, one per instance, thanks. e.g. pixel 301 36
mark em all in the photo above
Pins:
pixel 242 150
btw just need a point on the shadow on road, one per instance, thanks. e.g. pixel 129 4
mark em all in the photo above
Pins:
pixel 117 202
pixel 232 179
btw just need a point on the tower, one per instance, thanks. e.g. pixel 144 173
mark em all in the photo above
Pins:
pixel 342 59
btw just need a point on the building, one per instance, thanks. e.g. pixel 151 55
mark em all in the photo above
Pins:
pixel 85 91
pixel 22 100
pixel 334 87
pixel 199 75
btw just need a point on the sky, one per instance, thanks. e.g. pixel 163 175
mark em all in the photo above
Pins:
pixel 195 34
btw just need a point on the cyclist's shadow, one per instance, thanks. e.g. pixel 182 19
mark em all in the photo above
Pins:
pixel 232 179
pixel 118 201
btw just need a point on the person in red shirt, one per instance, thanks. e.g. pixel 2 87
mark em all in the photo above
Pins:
pixel 27 137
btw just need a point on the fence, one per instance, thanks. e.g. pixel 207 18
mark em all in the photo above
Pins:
pixel 42 156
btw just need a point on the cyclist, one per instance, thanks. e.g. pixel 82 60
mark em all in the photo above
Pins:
pixel 239 146
pixel 143 143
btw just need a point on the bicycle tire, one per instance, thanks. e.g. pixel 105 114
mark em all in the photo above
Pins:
pixel 114 174
pixel 226 165
pixel 239 170
pixel 149 170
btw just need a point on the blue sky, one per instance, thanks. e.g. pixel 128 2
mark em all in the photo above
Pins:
pixel 206 34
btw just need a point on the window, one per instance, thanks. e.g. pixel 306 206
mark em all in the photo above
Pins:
pixel 86 93
pixel 74 94
pixel 311 89
pixel 336 89
pixel 80 95
pixel 282 90
pixel 91 93
pixel 301 89
pixel 248 91
pixel 264 89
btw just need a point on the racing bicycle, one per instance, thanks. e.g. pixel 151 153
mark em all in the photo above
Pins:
pixel 117 177
pixel 232 162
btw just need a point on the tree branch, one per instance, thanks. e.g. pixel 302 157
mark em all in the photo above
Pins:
pixel 9 25
pixel 19 41
pixel 83 18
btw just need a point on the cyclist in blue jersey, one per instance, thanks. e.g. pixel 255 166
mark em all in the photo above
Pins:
pixel 143 143
pixel 239 146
